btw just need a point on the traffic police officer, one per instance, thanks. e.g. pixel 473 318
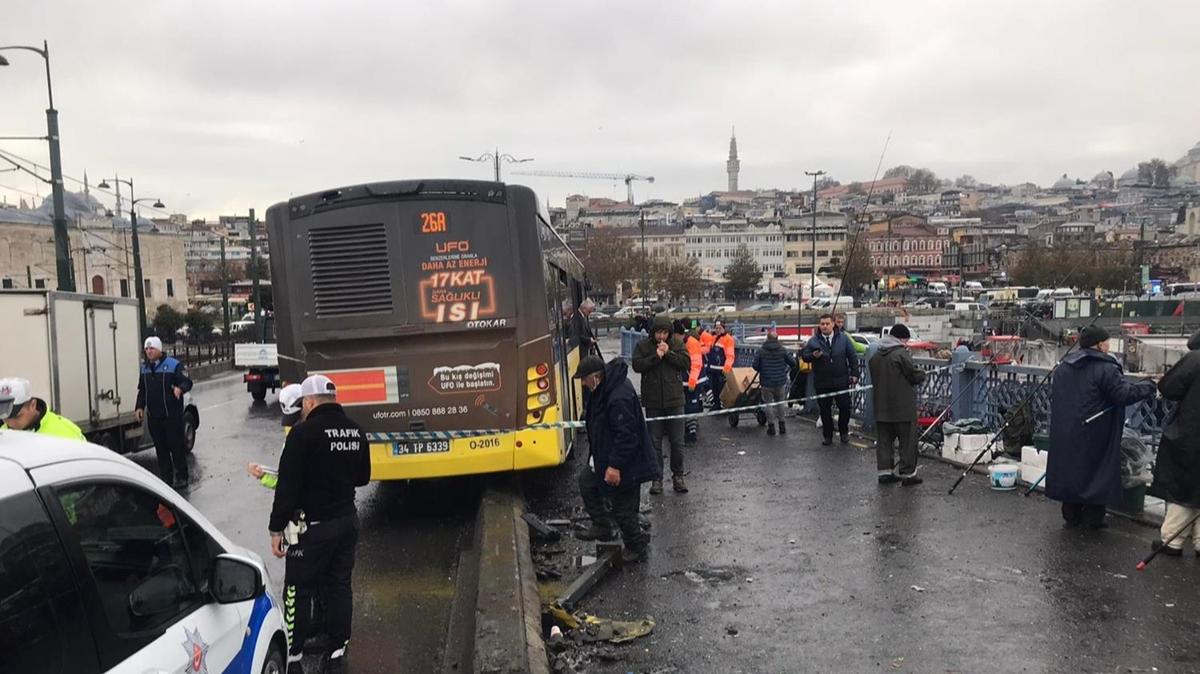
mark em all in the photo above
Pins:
pixel 23 412
pixel 161 386
pixel 323 460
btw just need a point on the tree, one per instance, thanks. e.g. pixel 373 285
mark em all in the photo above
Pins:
pixel 1155 173
pixel 677 278
pixel 966 182
pixel 855 272
pixel 743 274
pixel 901 171
pixel 200 324
pixel 857 188
pixel 606 260
pixel 167 321
pixel 923 181
pixel 826 183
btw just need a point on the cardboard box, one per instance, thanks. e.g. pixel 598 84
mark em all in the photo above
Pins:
pixel 736 382
pixel 1032 457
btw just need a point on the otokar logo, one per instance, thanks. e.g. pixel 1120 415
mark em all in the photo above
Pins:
pixel 488 323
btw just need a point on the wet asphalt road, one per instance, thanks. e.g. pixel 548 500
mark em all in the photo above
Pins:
pixel 409 544
pixel 788 556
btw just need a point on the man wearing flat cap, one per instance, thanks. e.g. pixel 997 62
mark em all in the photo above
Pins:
pixel 1084 465
pixel 621 459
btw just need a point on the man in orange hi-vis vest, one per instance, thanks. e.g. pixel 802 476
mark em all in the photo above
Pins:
pixel 720 361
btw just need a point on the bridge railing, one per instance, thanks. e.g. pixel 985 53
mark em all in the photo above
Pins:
pixel 972 388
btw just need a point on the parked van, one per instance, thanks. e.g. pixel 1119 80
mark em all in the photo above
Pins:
pixel 974 287
pixel 938 288
pixel 964 306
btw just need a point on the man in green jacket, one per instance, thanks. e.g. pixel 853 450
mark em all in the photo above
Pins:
pixel 662 360
pixel 894 377
pixel 23 412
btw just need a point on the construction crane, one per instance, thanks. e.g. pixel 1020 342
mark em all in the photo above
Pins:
pixel 627 177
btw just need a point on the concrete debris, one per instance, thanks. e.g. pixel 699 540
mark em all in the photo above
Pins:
pixel 918 588
pixel 539 530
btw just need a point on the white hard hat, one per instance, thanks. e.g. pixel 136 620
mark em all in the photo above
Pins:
pixel 14 392
pixel 290 398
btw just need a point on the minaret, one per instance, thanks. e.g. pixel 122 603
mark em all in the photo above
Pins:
pixel 732 166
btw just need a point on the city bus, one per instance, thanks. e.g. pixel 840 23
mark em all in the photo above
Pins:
pixel 433 305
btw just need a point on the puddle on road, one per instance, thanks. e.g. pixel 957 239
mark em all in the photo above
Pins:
pixel 711 576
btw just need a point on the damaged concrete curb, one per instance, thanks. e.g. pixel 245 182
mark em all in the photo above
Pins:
pixel 508 610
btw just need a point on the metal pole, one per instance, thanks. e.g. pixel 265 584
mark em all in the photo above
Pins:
pixel 254 290
pixel 642 221
pixel 224 289
pixel 812 291
pixel 139 288
pixel 62 244
pixel 496 162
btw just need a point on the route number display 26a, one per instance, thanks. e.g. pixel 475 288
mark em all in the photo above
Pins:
pixel 434 222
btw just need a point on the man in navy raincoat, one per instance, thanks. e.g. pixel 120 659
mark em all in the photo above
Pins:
pixel 622 456
pixel 1084 465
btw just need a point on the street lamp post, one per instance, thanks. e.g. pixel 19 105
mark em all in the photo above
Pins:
pixel 495 157
pixel 139 288
pixel 62 245
pixel 812 290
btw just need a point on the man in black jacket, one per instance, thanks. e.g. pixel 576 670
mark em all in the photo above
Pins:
pixel 662 360
pixel 1177 468
pixel 161 386
pixel 834 368
pixel 323 460
pixel 621 456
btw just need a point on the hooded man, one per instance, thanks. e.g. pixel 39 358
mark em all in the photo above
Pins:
pixel 21 411
pixel 773 363
pixel 1083 470
pixel 662 360
pixel 1177 469
pixel 161 386
pixel 621 456
pixel 894 378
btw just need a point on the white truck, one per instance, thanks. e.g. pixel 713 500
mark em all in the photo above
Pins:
pixel 261 364
pixel 82 354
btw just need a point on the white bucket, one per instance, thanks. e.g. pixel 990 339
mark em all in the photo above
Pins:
pixel 1004 476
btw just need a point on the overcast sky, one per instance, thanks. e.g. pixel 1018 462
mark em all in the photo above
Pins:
pixel 219 106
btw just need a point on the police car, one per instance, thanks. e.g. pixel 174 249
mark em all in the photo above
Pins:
pixel 103 568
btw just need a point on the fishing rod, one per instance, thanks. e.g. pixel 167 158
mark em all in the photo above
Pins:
pixel 1028 315
pixel 857 234
pixel 1028 397
pixel 1035 484
pixel 1141 566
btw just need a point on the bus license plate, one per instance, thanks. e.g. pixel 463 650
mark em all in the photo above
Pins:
pixel 420 447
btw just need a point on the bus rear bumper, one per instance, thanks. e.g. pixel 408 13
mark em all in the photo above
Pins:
pixel 519 450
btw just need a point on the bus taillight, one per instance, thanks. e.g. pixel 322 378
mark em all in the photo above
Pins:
pixel 541 369
pixel 543 384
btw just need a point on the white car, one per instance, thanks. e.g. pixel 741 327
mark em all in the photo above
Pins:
pixel 106 569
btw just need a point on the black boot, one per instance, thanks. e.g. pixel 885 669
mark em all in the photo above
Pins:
pixel 770 429
pixel 827 441
pixel 782 428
